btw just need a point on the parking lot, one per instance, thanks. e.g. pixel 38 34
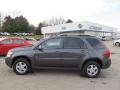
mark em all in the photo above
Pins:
pixel 63 80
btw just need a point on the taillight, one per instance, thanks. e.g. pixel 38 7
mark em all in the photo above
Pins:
pixel 107 53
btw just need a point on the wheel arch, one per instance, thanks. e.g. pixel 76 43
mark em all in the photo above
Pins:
pixel 17 57
pixel 92 59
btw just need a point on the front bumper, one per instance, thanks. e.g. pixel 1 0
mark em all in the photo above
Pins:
pixel 8 61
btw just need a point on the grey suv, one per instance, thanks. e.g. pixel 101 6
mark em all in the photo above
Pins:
pixel 84 53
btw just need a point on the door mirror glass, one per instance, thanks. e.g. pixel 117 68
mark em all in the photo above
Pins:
pixel 40 48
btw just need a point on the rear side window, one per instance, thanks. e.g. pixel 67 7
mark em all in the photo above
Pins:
pixel 73 43
pixel 18 41
pixel 96 43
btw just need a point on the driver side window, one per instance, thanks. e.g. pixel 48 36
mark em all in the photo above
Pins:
pixel 52 44
pixel 7 41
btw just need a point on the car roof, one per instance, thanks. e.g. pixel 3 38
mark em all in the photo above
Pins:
pixel 9 38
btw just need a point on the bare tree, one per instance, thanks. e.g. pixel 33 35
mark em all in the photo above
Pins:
pixel 54 21
pixel 13 13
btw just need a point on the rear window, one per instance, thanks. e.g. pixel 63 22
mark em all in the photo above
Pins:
pixel 96 43
pixel 18 41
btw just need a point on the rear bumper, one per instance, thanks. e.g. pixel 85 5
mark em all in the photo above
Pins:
pixel 106 63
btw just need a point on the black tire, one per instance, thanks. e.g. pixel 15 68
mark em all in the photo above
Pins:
pixel 22 61
pixel 85 71
pixel 117 44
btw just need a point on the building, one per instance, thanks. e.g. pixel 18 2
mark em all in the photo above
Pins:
pixel 81 28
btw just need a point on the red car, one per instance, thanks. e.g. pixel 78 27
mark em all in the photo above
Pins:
pixel 10 43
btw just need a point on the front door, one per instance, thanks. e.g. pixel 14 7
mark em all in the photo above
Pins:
pixel 50 53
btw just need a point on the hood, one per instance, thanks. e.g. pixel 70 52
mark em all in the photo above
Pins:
pixel 118 40
pixel 25 48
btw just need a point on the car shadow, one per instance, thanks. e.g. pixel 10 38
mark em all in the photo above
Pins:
pixel 2 56
pixel 56 72
pixel 59 73
pixel 69 73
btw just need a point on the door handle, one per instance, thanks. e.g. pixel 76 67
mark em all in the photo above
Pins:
pixel 57 51
pixel 82 51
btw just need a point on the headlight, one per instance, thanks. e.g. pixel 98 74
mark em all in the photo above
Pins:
pixel 9 53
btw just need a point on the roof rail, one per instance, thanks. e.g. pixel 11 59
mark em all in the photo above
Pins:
pixel 64 35
pixel 85 35
pixel 76 35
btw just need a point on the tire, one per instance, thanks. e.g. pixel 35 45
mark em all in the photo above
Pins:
pixel 91 69
pixel 117 44
pixel 21 66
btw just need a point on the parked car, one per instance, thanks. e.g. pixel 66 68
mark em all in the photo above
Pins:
pixel 116 42
pixel 105 38
pixel 84 53
pixel 5 34
pixel 10 43
pixel 30 39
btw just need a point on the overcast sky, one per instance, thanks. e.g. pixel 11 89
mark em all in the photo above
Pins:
pixel 105 12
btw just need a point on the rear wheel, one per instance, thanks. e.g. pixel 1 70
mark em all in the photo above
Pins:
pixel 21 66
pixel 91 69
pixel 117 44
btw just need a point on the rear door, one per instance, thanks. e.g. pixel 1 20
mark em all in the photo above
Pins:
pixel 74 51
pixel 18 43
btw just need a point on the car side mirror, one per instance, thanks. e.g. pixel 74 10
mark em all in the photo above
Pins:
pixel 40 48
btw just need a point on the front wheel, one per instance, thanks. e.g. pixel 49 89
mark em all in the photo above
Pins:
pixel 21 66
pixel 91 69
